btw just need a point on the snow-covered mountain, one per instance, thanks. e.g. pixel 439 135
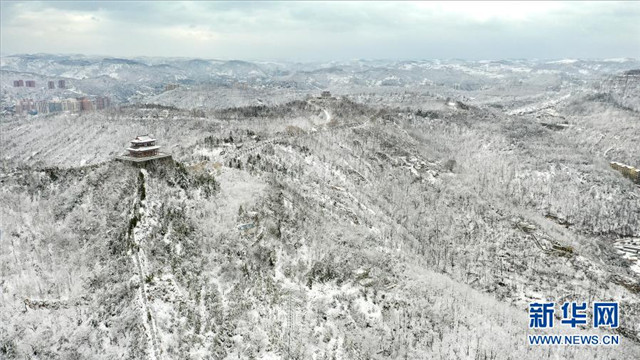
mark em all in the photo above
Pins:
pixel 415 213
pixel 130 80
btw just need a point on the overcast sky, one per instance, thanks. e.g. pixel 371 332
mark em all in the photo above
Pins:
pixel 339 30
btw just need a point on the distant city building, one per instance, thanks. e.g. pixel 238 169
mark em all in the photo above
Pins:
pixel 52 84
pixel 71 105
pixel 85 104
pixel 61 84
pixel 240 85
pixel 102 102
pixel 18 83
pixel 55 106
pixel 30 83
pixel 42 107
pixel 25 105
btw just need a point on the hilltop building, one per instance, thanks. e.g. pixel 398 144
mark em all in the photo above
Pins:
pixel 18 83
pixel 143 145
pixel 30 83
pixel 325 95
pixel 61 84
pixel 143 148
pixel 52 84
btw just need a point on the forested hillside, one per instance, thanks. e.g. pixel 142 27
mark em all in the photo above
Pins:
pixel 331 228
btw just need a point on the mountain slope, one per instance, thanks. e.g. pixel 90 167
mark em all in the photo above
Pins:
pixel 319 229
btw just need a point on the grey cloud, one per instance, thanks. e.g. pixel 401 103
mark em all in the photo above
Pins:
pixel 326 30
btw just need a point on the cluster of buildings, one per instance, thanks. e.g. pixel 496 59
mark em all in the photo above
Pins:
pixel 32 84
pixel 61 84
pixel 33 107
pixel 21 83
pixel 29 106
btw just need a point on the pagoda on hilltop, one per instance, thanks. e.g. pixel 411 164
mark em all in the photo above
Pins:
pixel 143 148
